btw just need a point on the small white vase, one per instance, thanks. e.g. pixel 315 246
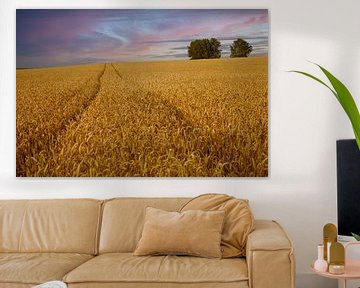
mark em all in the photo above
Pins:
pixel 320 264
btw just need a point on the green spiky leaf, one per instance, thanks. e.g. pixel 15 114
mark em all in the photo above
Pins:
pixel 344 97
pixel 356 236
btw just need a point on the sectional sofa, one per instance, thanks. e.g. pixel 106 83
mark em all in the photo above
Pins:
pixel 90 243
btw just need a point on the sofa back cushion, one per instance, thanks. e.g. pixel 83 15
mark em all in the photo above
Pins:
pixel 67 226
pixel 238 224
pixel 123 220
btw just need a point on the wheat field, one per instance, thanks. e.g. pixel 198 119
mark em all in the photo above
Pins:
pixel 205 118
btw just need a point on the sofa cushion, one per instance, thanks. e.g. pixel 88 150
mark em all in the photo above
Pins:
pixel 123 220
pixel 63 226
pixel 239 220
pixel 36 268
pixel 193 232
pixel 126 268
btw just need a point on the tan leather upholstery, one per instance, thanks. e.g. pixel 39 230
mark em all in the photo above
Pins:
pixel 193 233
pixel 72 225
pixel 49 225
pixel 269 255
pixel 242 284
pixel 126 268
pixel 123 220
pixel 15 285
pixel 239 220
pixel 36 268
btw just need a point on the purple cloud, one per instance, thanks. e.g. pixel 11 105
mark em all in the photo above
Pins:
pixel 62 37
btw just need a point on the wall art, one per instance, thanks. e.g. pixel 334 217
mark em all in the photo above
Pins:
pixel 142 92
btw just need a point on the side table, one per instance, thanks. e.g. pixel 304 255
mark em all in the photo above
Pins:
pixel 352 268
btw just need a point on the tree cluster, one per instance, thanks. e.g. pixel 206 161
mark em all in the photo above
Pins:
pixel 210 49
pixel 204 49
pixel 240 48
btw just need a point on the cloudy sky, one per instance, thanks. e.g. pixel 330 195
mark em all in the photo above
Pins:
pixel 65 37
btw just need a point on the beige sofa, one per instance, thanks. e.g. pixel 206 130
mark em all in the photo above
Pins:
pixel 89 243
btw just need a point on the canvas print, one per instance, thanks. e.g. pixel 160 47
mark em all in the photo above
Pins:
pixel 142 93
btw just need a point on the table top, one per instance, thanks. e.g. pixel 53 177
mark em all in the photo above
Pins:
pixel 352 271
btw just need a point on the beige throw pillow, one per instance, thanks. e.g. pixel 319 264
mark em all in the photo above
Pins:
pixel 239 220
pixel 194 232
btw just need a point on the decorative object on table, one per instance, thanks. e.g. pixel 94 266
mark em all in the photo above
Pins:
pixel 320 264
pixel 344 97
pixel 336 269
pixel 329 236
pixel 52 284
pixel 344 273
pixel 142 107
pixel 333 252
pixel 337 258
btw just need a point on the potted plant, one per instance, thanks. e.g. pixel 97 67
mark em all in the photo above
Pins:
pixel 346 100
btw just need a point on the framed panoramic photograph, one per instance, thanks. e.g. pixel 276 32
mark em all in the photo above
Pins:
pixel 142 93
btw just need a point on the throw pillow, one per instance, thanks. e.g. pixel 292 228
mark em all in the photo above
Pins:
pixel 238 224
pixel 196 233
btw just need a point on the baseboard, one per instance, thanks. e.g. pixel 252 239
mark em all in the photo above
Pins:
pixel 310 280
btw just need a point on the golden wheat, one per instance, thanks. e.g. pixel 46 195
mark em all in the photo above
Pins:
pixel 46 101
pixel 173 118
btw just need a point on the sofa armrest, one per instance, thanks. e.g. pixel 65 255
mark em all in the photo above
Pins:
pixel 269 255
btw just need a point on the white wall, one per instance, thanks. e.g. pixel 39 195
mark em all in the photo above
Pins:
pixel 305 120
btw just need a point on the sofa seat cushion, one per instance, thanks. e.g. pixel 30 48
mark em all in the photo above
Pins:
pixel 125 267
pixel 36 268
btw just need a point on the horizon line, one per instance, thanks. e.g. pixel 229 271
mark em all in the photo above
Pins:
pixel 131 61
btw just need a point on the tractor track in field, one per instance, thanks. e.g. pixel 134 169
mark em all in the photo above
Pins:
pixel 84 106
pixel 93 95
pixel 116 71
pixel 69 121
pixel 173 109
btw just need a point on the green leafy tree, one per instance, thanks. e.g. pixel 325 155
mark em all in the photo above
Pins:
pixel 240 48
pixel 204 49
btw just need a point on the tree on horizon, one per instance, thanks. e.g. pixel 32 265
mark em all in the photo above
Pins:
pixel 240 48
pixel 204 49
